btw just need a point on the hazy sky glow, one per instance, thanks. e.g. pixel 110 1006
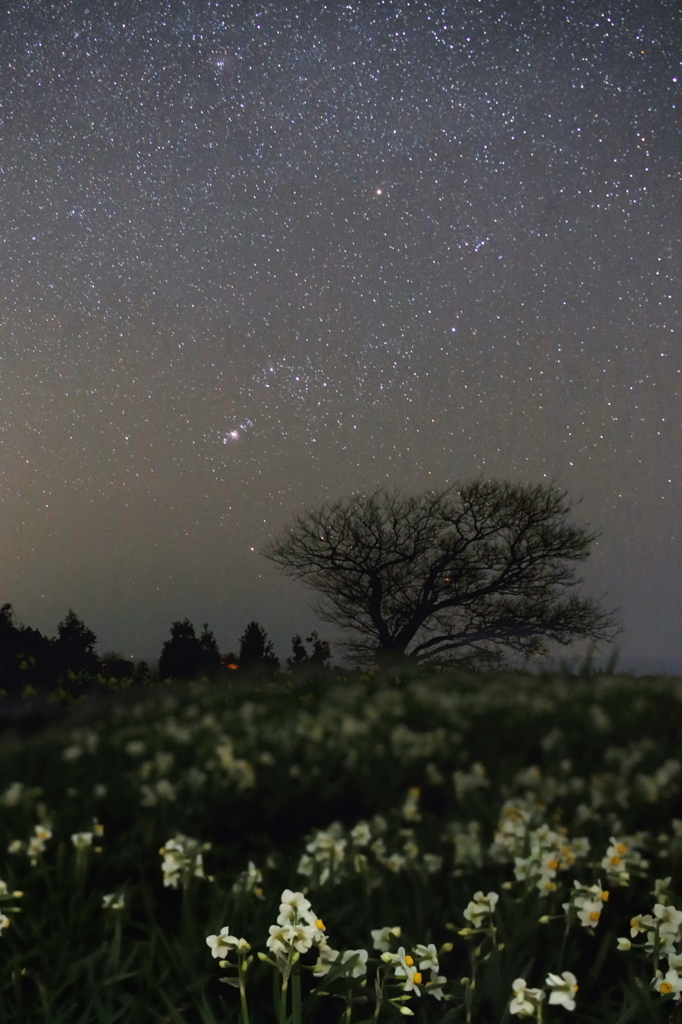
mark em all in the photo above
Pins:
pixel 258 256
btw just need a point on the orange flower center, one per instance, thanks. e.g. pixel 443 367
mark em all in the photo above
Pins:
pixel 594 915
pixel 666 987
pixel 417 978
pixel 409 961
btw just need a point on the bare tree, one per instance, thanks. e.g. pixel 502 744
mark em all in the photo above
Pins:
pixel 448 576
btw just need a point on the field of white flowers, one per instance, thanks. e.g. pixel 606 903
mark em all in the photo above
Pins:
pixel 455 847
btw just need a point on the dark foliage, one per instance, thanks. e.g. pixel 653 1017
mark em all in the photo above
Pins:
pixel 29 659
pixel 256 652
pixel 319 657
pixel 186 656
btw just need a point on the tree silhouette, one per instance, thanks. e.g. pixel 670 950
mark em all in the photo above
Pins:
pixel 14 651
pixel 319 657
pixel 10 644
pixel 115 666
pixel 210 648
pixel 186 656
pixel 74 648
pixel 29 659
pixel 443 576
pixel 256 652
pixel 299 654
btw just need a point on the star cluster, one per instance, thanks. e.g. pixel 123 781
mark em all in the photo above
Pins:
pixel 260 255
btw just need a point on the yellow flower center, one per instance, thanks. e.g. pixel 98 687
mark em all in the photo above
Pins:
pixel 320 924
pixel 605 895
pixel 409 961
pixel 622 848
pixel 614 860
pixel 594 915
pixel 417 978
pixel 666 987
pixel 553 865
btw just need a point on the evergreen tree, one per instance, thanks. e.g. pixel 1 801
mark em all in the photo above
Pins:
pixel 142 672
pixel 74 648
pixel 10 649
pixel 256 651
pixel 211 650
pixel 25 655
pixel 185 655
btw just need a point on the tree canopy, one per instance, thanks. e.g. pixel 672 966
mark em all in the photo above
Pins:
pixel 186 655
pixel 256 652
pixel 450 576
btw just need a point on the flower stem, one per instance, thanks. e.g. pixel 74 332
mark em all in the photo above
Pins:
pixel 283 1001
pixel 242 997
pixel 296 998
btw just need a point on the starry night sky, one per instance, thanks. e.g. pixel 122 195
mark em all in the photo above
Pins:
pixel 257 256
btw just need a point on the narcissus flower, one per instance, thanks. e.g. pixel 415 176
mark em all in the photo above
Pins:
pixel 562 989
pixel 589 913
pixel 81 840
pixel 296 900
pixel 326 956
pixel 36 844
pixel 380 937
pixel 113 901
pixel 480 907
pixel 670 984
pixel 428 956
pixel 670 918
pixel 182 860
pixel 284 938
pixel 221 944
pixel 526 1000
pixel 434 986
pixel 360 967
pixel 640 923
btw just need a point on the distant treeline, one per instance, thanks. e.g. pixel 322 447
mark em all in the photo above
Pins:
pixel 30 660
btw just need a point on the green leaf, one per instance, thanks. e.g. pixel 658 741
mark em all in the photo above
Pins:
pixel 175 1016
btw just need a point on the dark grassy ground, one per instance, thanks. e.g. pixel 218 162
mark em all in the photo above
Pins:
pixel 344 749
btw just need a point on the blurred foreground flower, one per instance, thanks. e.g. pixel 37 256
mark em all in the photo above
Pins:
pixel 182 859
pixel 113 901
pixel 562 989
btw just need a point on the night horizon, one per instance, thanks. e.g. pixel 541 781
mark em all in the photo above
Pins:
pixel 257 258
